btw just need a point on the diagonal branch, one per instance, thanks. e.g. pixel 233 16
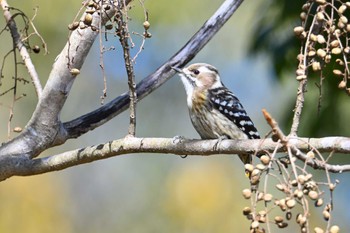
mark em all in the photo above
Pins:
pixel 96 118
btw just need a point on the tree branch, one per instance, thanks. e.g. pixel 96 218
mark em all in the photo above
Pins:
pixel 96 118
pixel 24 166
pixel 124 36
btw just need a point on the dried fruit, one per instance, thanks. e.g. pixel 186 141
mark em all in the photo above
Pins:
pixel 306 7
pixel 260 196
pixel 334 229
pixel 301 179
pixel 321 53
pixel 282 204
pixel 326 215
pixel 17 129
pixel 342 85
pixel 313 195
pixel 343 19
pixel 308 177
pixel 247 210
pixel 340 24
pixel 328 207
pixel 301 77
pixel 300 72
pixel 255 172
pixel 73 26
pixel 247 193
pixel 260 166
pixel 348 27
pixel 249 167
pixel 321 2
pixel 311 53
pixel 342 8
pixel 337 32
pixel 75 71
pixel 91 3
pixel 335 43
pixel 146 25
pixel 336 51
pixel 282 224
pixel 278 219
pixel 268 197
pixel 337 72
pixel 36 49
pixel 316 66
pixel 90 11
pixel 321 39
pixel 310 154
pixel 290 203
pixel 320 16
pixel 318 230
pixel 319 202
pixel 339 61
pixel 289 215
pixel 265 159
pixel 298 30
pixel 313 37
pixel 280 187
pixel 88 19
pixel 255 224
pixel 301 220
pixel 298 193
pixel 303 16
pixel 294 183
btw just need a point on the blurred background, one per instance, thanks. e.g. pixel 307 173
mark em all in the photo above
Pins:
pixel 256 55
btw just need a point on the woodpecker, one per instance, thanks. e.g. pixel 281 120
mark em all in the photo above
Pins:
pixel 216 113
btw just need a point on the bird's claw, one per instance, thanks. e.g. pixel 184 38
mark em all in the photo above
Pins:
pixel 219 140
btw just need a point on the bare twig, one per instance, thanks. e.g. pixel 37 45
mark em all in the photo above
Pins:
pixel 276 131
pixel 124 36
pixel 289 143
pixel 21 48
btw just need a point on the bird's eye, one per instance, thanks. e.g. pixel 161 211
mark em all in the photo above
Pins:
pixel 196 72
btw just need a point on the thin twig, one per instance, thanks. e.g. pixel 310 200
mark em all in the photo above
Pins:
pixel 124 36
pixel 21 48
pixel 102 50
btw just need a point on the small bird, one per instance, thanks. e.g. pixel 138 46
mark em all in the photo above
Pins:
pixel 216 113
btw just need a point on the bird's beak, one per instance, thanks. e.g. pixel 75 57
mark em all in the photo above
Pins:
pixel 177 69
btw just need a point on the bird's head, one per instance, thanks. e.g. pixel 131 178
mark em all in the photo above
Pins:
pixel 199 76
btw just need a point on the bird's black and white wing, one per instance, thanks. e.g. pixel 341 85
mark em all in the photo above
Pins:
pixel 228 104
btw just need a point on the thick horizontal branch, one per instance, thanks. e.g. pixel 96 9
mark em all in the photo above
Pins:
pixel 175 146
